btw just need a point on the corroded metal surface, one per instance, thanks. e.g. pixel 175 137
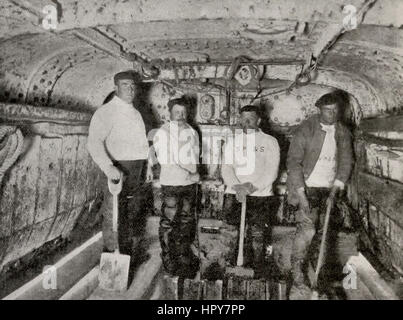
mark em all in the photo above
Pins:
pixel 45 192
pixel 24 112
pixel 91 13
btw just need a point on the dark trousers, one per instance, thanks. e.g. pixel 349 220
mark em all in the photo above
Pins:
pixel 260 216
pixel 130 206
pixel 309 233
pixel 177 228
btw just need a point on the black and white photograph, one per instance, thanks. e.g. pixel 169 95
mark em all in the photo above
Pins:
pixel 216 151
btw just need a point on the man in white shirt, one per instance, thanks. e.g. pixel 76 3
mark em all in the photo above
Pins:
pixel 118 144
pixel 250 166
pixel 319 164
pixel 176 145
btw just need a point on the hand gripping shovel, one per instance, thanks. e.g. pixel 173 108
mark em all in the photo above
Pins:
pixel 114 267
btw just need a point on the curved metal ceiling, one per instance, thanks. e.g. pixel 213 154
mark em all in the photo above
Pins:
pixel 73 69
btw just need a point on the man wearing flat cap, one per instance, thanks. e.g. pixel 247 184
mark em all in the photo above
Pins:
pixel 319 164
pixel 117 143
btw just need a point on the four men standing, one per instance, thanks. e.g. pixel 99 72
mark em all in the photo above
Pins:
pixel 319 164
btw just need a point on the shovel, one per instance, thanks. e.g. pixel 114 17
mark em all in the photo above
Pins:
pixel 114 267
pixel 315 294
pixel 240 271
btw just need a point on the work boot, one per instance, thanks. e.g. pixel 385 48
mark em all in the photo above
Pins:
pixel 300 292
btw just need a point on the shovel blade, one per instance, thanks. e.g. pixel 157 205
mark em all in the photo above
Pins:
pixel 114 271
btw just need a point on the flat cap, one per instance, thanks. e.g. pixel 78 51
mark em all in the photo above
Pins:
pixel 129 74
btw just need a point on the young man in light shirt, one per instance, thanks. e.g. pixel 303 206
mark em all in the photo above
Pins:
pixel 118 144
pixel 319 163
pixel 176 145
pixel 250 166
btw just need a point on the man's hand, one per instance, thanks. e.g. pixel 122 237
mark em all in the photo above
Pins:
pixel 243 189
pixel 113 173
pixel 241 194
pixel 150 175
pixel 250 187
pixel 332 195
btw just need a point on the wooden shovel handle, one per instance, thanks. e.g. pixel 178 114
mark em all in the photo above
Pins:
pixel 322 243
pixel 239 261
pixel 115 189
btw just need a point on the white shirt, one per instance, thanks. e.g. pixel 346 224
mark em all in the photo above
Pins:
pixel 177 151
pixel 324 172
pixel 117 132
pixel 258 162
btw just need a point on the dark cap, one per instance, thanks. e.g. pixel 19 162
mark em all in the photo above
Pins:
pixel 251 108
pixel 327 99
pixel 180 101
pixel 127 75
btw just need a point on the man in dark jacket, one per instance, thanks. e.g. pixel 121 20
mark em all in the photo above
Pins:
pixel 319 164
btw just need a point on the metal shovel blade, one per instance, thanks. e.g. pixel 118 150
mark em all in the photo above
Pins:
pixel 114 271
pixel 114 267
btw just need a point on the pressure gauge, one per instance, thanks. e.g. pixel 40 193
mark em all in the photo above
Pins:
pixel 207 107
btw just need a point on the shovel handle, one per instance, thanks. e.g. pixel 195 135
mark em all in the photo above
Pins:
pixel 115 189
pixel 239 261
pixel 322 244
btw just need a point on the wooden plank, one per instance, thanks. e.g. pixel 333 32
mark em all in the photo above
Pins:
pixel 83 288
pixel 372 280
pixel 69 270
pixel 386 195
pixel 384 162
pixel 192 289
pixel 213 290
pixel 277 289
pixel 146 273
pixel 81 172
pixel 49 129
pixel 26 193
pixel 237 289
pixel 361 292
pixel 257 290
pixel 17 199
pixel 68 182
pixel 48 186
pixel 382 141
pixel 393 123
pixel 170 288
pixel 282 290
